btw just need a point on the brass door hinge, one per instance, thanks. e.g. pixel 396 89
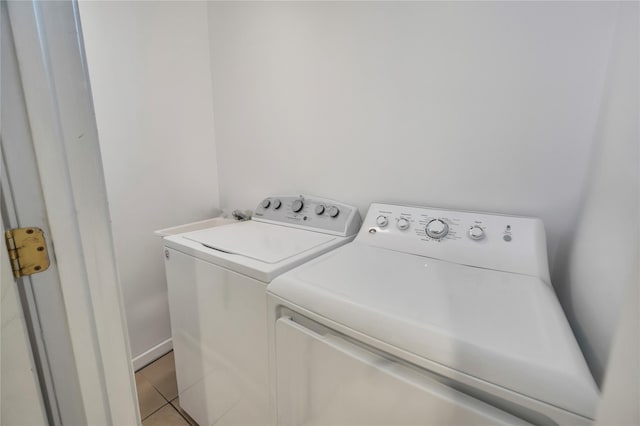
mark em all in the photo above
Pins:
pixel 27 251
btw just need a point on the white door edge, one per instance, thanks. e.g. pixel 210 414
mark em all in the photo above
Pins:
pixel 56 87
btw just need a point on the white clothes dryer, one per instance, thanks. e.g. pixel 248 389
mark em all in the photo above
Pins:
pixel 429 317
pixel 217 282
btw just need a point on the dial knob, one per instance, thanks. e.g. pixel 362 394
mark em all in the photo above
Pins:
pixel 334 211
pixel 403 224
pixel 437 228
pixel 476 232
pixel 276 204
pixel 297 206
pixel 319 209
pixel 266 203
pixel 382 221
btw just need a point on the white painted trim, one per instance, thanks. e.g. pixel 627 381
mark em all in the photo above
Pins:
pixel 49 47
pixel 152 354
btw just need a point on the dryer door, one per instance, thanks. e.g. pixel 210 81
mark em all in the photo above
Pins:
pixel 327 380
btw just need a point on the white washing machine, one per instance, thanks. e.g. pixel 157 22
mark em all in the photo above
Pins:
pixel 217 282
pixel 428 317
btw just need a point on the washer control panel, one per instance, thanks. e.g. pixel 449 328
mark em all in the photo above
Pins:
pixel 504 243
pixel 308 212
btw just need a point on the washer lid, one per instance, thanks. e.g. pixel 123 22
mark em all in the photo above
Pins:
pixel 263 242
pixel 500 327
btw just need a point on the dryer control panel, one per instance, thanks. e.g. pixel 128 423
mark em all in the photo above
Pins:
pixel 311 213
pixel 485 240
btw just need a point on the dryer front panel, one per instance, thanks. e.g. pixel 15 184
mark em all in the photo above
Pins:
pixel 324 379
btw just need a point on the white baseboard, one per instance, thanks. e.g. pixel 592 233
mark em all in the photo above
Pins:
pixel 152 354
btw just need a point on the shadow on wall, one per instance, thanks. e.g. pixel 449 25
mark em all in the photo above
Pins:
pixel 600 262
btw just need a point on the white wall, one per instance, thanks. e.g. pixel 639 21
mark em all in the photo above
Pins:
pixel 602 260
pixel 470 105
pixel 621 389
pixel 488 106
pixel 151 83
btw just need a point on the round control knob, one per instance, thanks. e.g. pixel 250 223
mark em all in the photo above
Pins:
pixel 319 209
pixel 476 232
pixel 382 221
pixel 277 204
pixel 437 229
pixel 334 211
pixel 266 203
pixel 297 206
pixel 403 224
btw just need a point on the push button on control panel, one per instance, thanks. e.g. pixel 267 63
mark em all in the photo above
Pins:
pixel 507 234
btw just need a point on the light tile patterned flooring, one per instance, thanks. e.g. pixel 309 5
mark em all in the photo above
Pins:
pixel 158 394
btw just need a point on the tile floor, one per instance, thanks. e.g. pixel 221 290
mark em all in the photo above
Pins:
pixel 158 394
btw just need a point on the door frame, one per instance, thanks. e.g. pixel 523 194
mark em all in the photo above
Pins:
pixel 55 82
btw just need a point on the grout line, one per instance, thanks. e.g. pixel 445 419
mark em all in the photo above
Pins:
pixel 151 382
pixel 161 394
pixel 181 415
pixel 157 390
pixel 167 401
pixel 153 412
